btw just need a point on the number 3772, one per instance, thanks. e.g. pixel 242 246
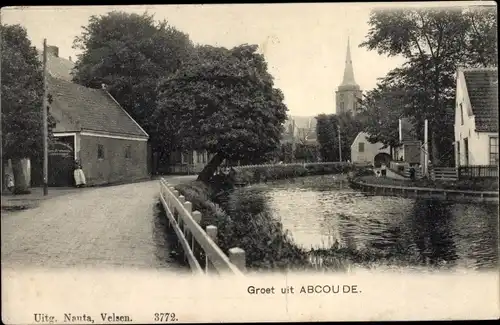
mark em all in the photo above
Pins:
pixel 165 317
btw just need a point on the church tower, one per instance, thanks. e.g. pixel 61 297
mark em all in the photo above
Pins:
pixel 348 92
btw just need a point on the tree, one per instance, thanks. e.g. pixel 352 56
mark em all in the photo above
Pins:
pixel 328 129
pixel 434 42
pixel 130 53
pixel 223 101
pixel 326 133
pixel 382 109
pixel 22 96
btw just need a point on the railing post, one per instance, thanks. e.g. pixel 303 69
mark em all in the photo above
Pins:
pixel 237 257
pixel 189 208
pixel 212 233
pixel 197 217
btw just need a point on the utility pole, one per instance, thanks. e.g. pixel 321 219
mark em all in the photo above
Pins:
pixel 426 148
pixel 44 124
pixel 340 144
pixel 292 158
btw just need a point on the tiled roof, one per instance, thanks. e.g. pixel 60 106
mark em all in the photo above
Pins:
pixel 77 108
pixel 482 87
pixel 58 67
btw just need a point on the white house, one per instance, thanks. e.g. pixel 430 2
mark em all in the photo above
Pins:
pixel 476 117
pixel 362 151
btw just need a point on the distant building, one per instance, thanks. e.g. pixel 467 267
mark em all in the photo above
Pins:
pixel 93 128
pixel 410 148
pixel 476 117
pixel 300 128
pixel 362 151
pixel 348 93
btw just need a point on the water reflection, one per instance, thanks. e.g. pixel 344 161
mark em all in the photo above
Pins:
pixel 428 232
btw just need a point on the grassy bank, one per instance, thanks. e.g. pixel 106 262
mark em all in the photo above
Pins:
pixel 485 184
pixel 265 173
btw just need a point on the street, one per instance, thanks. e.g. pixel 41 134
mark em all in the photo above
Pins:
pixel 113 226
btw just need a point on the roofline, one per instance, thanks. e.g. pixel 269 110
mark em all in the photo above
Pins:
pixel 112 134
pixel 91 133
pixel 461 76
pixel 126 112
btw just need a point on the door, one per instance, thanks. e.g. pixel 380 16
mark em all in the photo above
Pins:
pixel 61 162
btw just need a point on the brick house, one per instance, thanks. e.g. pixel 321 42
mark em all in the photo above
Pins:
pixel 476 117
pixel 93 128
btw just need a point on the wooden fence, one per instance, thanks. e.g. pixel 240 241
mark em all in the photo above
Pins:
pixel 486 171
pixel 444 173
pixel 194 240
pixel 339 163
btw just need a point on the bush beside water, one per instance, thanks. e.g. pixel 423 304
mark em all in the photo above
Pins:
pixel 257 174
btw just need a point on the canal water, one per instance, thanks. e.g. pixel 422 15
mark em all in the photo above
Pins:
pixel 317 214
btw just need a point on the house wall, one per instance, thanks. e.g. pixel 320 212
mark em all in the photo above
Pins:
pixel 188 163
pixel 114 167
pixel 370 150
pixel 478 142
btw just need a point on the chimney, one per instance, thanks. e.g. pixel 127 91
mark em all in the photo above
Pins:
pixel 53 50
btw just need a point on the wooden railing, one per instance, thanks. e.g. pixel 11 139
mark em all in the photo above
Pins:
pixel 192 238
pixel 343 163
pixel 477 171
pixel 444 173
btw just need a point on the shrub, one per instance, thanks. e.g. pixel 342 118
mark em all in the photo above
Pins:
pixel 257 174
pixel 199 195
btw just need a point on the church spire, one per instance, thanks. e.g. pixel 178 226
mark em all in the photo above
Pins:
pixel 348 70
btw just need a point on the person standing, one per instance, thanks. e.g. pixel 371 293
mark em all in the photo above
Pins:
pixel 78 175
pixel 383 170
pixel 10 182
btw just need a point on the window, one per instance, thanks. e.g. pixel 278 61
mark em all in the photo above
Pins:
pixel 361 147
pixel 458 153
pixel 341 107
pixel 128 152
pixel 493 150
pixel 198 157
pixel 100 151
pixel 461 114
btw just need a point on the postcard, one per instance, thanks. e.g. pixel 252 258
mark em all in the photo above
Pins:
pixel 249 163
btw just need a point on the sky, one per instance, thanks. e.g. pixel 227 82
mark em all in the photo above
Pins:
pixel 304 44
